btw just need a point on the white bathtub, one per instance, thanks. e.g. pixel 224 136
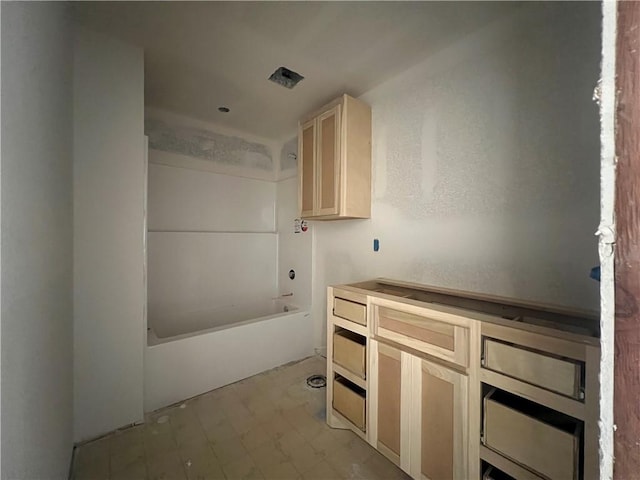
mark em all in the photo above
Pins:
pixel 193 353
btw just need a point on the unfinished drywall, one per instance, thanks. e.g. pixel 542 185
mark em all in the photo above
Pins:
pixel 109 179
pixel 288 158
pixel 606 95
pixel 485 167
pixel 37 211
pixel 189 143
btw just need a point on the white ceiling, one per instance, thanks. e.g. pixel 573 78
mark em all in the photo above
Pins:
pixel 202 55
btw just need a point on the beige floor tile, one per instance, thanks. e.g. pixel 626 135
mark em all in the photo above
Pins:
pixel 92 471
pixel 281 471
pixel 221 432
pixel 347 466
pixel 134 471
pixel 325 442
pixel 202 464
pixel 268 426
pixel 322 471
pixel 277 426
pixel 123 459
pixel 154 428
pixel 254 438
pixel 290 441
pixel 267 455
pixel 377 467
pixel 165 466
pixel 287 403
pixel 242 424
pixel 304 457
pixel 190 435
pixel 212 420
pixel 93 458
pixel 309 428
pixel 123 440
pixel 242 469
pixel 229 450
pixel 183 417
pixel 161 443
pixel 260 406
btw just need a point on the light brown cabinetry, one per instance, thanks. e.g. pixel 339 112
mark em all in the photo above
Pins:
pixel 443 421
pixel 449 385
pixel 387 405
pixel 419 414
pixel 334 161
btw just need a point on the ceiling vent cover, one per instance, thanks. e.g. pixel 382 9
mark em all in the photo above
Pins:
pixel 285 77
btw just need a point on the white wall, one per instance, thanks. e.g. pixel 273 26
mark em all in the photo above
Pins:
pixel 109 175
pixel 294 249
pixel 37 308
pixel 485 167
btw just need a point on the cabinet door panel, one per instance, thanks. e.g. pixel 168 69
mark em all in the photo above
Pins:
pixel 443 423
pixel 307 165
pixel 328 161
pixel 437 416
pixel 389 381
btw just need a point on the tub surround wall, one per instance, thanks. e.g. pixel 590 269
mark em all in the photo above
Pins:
pixel 211 241
pixel 198 272
pixel 485 168
pixel 37 240
pixel 182 199
pixel 109 178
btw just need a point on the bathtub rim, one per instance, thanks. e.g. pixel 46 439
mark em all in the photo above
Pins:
pixel 153 340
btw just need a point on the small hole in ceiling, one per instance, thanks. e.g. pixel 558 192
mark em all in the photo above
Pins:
pixel 223 109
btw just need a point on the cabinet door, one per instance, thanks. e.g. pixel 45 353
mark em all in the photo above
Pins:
pixel 306 167
pixel 328 162
pixel 439 442
pixel 389 381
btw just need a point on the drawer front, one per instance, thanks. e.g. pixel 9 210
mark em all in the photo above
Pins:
pixel 424 329
pixel 536 445
pixel 421 332
pixel 557 375
pixel 350 353
pixel 349 403
pixel 355 312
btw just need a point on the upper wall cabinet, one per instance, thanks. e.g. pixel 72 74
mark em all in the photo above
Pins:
pixel 334 161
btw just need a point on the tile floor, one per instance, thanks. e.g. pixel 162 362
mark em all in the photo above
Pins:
pixel 270 426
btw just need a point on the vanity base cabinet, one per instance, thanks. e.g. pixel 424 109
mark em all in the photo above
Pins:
pixel 450 387
pixel 419 414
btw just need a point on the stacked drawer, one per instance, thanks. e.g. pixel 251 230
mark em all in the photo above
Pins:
pixel 533 433
pixel 349 358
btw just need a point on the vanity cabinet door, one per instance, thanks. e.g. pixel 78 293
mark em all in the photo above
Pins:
pixel 306 166
pixel 328 162
pixel 440 419
pixel 389 405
